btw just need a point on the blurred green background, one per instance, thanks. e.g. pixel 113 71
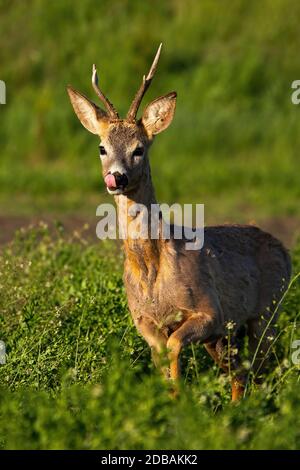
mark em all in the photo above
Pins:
pixel 233 146
pixel 234 143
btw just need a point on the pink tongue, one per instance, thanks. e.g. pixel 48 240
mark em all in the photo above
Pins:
pixel 110 181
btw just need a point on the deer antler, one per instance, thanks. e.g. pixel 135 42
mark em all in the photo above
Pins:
pixel 108 105
pixel 131 115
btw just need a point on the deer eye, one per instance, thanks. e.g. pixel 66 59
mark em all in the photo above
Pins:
pixel 138 152
pixel 102 150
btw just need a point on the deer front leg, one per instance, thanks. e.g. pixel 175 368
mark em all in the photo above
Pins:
pixel 196 328
pixel 156 339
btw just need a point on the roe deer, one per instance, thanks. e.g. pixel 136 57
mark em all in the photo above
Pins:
pixel 177 296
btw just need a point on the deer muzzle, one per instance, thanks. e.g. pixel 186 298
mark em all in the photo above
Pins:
pixel 116 180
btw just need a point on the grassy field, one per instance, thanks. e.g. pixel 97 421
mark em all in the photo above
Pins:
pixel 77 374
pixel 235 138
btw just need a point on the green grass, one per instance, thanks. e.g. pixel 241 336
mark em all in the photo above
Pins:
pixel 79 376
pixel 235 138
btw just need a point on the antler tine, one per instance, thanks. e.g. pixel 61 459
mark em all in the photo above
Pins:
pixel 108 105
pixel 131 115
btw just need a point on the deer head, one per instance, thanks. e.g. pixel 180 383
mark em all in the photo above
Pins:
pixel 124 143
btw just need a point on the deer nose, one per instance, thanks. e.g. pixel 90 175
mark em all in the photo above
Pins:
pixel 121 179
pixel 116 180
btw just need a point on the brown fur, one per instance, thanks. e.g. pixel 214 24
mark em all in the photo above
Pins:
pixel 177 296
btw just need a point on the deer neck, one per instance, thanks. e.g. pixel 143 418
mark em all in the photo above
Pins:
pixel 141 252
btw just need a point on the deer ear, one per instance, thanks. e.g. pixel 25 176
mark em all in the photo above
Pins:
pixel 159 113
pixel 89 114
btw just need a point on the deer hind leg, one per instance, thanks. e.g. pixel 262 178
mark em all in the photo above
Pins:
pixel 261 335
pixel 228 360
pixel 275 267
pixel 196 328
